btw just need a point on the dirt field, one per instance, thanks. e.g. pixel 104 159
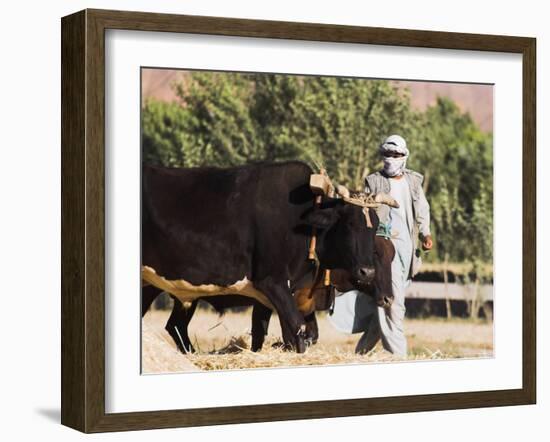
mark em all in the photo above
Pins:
pixel 223 343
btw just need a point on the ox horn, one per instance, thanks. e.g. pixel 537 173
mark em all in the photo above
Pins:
pixel 384 198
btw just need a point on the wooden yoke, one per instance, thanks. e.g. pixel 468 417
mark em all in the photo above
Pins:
pixel 321 185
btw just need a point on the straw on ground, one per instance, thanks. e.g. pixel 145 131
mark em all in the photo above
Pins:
pixel 223 343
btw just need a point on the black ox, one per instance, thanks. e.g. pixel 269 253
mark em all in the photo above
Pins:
pixel 246 230
pixel 318 297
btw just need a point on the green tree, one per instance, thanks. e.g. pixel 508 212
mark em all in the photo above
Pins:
pixel 328 121
pixel 449 223
pixel 218 130
pixel 481 234
pixel 456 158
pixel 163 129
pixel 227 119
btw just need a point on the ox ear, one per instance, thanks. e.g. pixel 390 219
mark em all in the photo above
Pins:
pixel 322 218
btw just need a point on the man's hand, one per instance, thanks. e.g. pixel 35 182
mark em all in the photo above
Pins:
pixel 427 242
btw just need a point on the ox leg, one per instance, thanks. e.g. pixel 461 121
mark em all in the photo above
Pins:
pixel 292 321
pixel 148 294
pixel 178 324
pixel 312 330
pixel 260 323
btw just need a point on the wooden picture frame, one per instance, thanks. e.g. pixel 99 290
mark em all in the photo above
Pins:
pixel 83 220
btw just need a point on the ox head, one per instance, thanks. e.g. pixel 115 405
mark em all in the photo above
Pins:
pixel 345 240
pixel 347 227
pixel 381 288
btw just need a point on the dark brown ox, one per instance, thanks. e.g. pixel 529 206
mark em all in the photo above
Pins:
pixel 209 232
pixel 316 297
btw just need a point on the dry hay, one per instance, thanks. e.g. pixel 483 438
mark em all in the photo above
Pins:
pixel 159 354
pixel 223 343
pixel 237 355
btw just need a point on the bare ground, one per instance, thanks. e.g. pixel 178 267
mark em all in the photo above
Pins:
pixel 223 343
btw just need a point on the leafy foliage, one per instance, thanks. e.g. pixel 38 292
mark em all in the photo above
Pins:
pixel 227 119
pixel 163 129
pixel 456 159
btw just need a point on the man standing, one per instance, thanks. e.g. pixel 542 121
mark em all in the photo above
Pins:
pixel 405 225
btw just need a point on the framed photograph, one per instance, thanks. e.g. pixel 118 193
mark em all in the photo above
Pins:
pixel 267 221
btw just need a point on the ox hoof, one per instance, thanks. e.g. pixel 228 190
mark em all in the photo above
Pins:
pixel 301 342
pixel 186 349
pixel 279 344
pixel 298 347
pixel 190 350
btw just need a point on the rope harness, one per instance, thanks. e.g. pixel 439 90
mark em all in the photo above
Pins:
pixel 321 185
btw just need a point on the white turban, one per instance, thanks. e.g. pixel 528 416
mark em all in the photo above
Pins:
pixel 394 166
pixel 394 143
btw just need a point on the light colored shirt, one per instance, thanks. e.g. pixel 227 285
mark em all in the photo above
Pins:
pixel 417 213
pixel 399 221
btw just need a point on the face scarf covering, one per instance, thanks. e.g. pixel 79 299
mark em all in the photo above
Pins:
pixel 394 166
